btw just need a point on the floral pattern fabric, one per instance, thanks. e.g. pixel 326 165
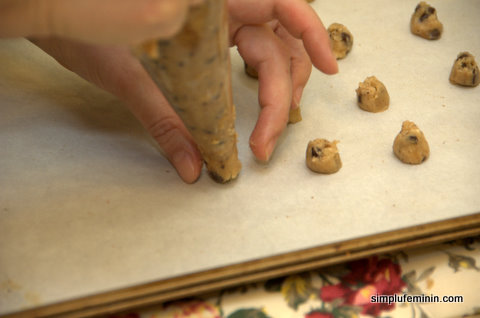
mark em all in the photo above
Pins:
pixel 346 290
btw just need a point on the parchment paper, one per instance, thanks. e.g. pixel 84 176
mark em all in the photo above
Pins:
pixel 89 204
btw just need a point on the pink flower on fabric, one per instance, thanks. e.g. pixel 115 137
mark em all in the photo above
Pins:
pixel 319 314
pixel 367 277
pixel 332 292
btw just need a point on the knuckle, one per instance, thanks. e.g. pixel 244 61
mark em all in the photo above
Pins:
pixel 164 130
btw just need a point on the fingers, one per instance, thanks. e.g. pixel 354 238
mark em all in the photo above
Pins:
pixel 115 70
pixel 106 21
pixel 297 17
pixel 301 66
pixel 260 48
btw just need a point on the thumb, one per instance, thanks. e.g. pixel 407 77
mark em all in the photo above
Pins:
pixel 106 21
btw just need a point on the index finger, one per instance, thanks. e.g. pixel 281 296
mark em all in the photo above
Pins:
pixel 298 18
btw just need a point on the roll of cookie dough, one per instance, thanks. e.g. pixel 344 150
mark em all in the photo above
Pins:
pixel 410 145
pixel 341 40
pixel 465 70
pixel 322 156
pixel 193 71
pixel 425 23
pixel 372 95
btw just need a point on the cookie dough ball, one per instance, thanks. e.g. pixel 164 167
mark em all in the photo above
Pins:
pixel 465 70
pixel 372 96
pixel 294 116
pixel 323 157
pixel 410 145
pixel 424 22
pixel 341 40
pixel 250 71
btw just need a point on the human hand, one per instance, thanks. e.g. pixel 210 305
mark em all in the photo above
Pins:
pixel 114 69
pixel 280 39
pixel 91 38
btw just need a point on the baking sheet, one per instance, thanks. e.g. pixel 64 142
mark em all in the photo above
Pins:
pixel 88 203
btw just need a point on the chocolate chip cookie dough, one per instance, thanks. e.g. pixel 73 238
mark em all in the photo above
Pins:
pixel 341 40
pixel 193 71
pixel 425 23
pixel 410 145
pixel 465 70
pixel 323 156
pixel 294 116
pixel 372 96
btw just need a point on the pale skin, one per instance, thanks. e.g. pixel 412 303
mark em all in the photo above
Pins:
pixel 281 39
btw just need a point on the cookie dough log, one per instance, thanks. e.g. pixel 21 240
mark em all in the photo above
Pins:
pixel 425 23
pixel 341 40
pixel 193 71
pixel 410 145
pixel 465 70
pixel 372 95
pixel 322 156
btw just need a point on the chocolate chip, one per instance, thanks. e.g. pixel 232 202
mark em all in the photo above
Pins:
pixel 424 16
pixel 164 43
pixel 413 139
pixel 464 65
pixel 181 64
pixel 464 55
pixel 346 37
pixel 417 7
pixel 431 10
pixel 216 97
pixel 434 34
pixel 359 98
pixel 424 158
pixel 216 177
pixel 474 77
pixel 316 152
pixel 210 60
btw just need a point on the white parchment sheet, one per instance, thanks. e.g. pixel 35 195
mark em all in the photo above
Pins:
pixel 89 204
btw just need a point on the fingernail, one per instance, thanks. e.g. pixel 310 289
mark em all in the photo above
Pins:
pixel 185 166
pixel 298 96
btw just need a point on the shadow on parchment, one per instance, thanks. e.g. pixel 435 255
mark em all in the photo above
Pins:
pixel 27 74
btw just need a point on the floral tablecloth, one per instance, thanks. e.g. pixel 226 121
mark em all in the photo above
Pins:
pixel 447 272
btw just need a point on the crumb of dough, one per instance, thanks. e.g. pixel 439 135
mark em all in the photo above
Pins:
pixel 372 95
pixel 425 23
pixel 341 40
pixel 465 70
pixel 250 71
pixel 410 145
pixel 322 156
pixel 294 116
